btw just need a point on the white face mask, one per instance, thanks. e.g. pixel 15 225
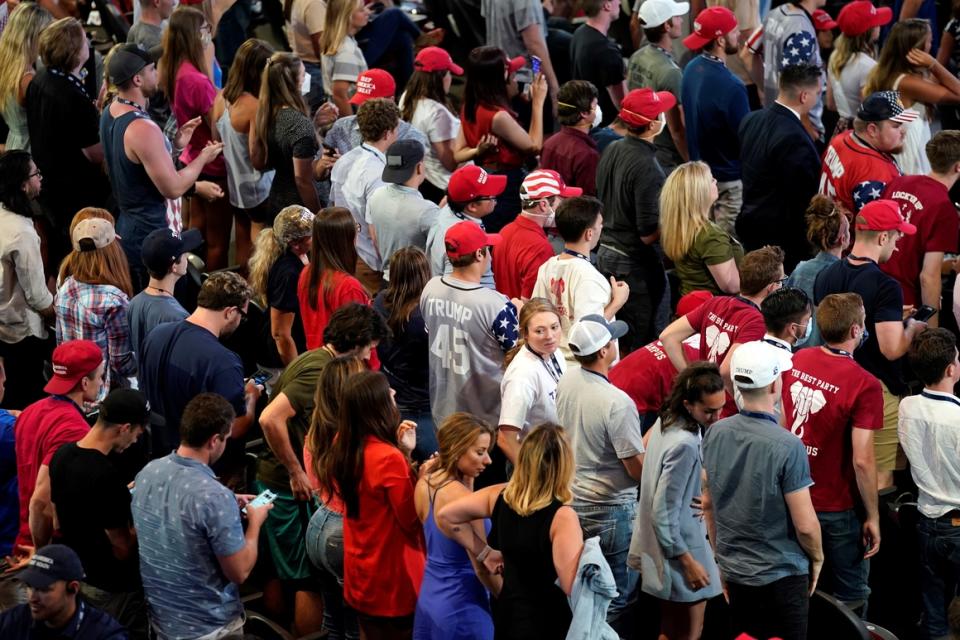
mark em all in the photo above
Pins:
pixel 597 116
pixel 305 84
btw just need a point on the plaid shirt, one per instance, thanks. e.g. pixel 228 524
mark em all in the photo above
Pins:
pixel 97 312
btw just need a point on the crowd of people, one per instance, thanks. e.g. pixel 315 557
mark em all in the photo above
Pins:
pixel 507 346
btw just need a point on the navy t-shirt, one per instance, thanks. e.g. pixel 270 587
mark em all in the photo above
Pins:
pixel 404 359
pixel 882 301
pixel 178 361
pixel 282 293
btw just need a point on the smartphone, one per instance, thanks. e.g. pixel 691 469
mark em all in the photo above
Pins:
pixel 924 313
pixel 535 64
pixel 329 149
pixel 264 498
pixel 261 376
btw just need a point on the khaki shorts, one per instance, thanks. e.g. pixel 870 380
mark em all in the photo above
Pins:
pixel 886 446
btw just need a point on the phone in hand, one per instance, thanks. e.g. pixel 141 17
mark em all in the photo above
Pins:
pixel 535 64
pixel 261 376
pixel 924 313
pixel 263 499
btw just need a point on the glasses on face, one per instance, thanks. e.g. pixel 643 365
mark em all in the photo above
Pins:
pixel 35 174
pixel 782 281
pixel 486 199
pixel 243 315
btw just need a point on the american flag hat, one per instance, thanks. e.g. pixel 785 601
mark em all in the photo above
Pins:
pixel 885 105
pixel 546 183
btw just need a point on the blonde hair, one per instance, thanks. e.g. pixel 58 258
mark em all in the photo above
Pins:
pixel 544 471
pixel 19 47
pixel 101 266
pixel 530 308
pixel 684 207
pixel 278 89
pixel 846 47
pixel 455 436
pixel 291 224
pixel 336 26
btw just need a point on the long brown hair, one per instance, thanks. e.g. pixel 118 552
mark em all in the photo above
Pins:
pixel 246 72
pixel 278 89
pixel 456 435
pixel 904 36
pixel 366 409
pixel 326 410
pixel 101 266
pixel 424 84
pixel 333 249
pixel 530 308
pixel 409 274
pixel 181 43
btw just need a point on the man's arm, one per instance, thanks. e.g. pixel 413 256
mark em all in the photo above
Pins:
pixel 894 339
pixel 706 505
pixel 535 43
pixel 807 526
pixel 40 515
pixel 241 424
pixel 123 541
pixel 634 466
pixel 237 567
pixel 678 131
pixel 931 283
pixel 273 421
pixel 865 468
pixel 147 145
pixel 672 339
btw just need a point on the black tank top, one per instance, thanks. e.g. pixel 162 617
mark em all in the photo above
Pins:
pixel 530 604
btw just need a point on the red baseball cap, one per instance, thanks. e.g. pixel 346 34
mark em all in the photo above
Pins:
pixel 546 183
pixel 465 237
pixel 859 17
pixel 374 83
pixel 883 215
pixel 692 302
pixel 436 59
pixel 643 106
pixel 822 21
pixel 471 182
pixel 71 361
pixel 710 24
pixel 515 64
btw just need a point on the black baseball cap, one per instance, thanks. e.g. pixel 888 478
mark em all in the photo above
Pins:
pixel 161 248
pixel 122 406
pixel 885 105
pixel 402 159
pixel 50 564
pixel 128 60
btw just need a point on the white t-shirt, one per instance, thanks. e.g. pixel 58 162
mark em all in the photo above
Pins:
pixel 306 17
pixel 439 124
pixel 848 88
pixel 575 287
pixel 529 390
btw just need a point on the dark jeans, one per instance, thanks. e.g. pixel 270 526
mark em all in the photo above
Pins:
pixel 392 31
pixel 23 362
pixel 426 434
pixel 939 570
pixel 779 609
pixel 845 571
pixel 641 306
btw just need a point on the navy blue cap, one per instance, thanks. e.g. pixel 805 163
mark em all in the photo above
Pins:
pixel 50 564
pixel 161 248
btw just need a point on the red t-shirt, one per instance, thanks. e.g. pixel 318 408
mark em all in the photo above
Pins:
pixel 646 375
pixel 480 124
pixel 518 257
pixel 383 548
pixel 723 321
pixel 855 174
pixel 344 289
pixel 39 431
pixel 926 203
pixel 824 397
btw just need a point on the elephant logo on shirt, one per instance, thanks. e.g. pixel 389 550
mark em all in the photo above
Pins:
pixel 718 341
pixel 557 287
pixel 806 402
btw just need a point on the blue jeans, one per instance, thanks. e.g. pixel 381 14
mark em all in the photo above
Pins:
pixel 939 570
pixel 845 572
pixel 324 545
pixel 614 525
pixel 426 434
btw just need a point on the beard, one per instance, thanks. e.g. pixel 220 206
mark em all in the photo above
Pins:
pixel 730 49
pixel 896 150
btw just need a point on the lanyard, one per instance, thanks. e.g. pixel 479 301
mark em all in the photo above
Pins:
pixel 778 345
pixel 576 254
pixel 74 80
pixel 551 364
pixel 749 302
pixel 130 103
pixel 839 352
pixel 662 50
pixel 853 257
pixel 713 58
pixel 599 375
pixel 463 216
pixel 70 400
pixel 933 396
pixel 760 415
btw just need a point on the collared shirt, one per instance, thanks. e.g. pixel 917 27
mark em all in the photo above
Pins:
pixel 23 290
pixel 574 155
pixel 344 135
pixel 97 312
pixel 437 250
pixel 187 594
pixel 929 430
pixel 354 178
pixel 87 623
pixel 789 108
pixel 401 217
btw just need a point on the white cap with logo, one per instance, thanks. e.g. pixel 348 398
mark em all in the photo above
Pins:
pixel 757 364
pixel 656 12
pixel 592 333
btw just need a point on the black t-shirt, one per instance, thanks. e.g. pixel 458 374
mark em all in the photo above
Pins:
pixel 62 121
pixel 596 58
pixel 882 301
pixel 91 496
pixel 404 359
pixel 282 296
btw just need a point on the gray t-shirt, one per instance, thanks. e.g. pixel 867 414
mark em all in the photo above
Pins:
pixel 752 463
pixel 652 66
pixel 604 428
pixel 470 328
pixel 507 18
pixel 146 35
pixel 401 217
pixel 146 311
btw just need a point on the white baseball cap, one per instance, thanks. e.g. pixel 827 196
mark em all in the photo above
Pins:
pixel 655 12
pixel 757 364
pixel 592 333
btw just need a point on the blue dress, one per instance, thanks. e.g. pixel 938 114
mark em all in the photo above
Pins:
pixel 453 603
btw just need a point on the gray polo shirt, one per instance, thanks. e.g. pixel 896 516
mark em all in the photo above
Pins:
pixel 437 250
pixel 604 428
pixel 752 463
pixel 401 217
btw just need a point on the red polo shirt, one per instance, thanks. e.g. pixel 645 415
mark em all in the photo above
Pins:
pixel 574 155
pixel 518 257
pixel 39 431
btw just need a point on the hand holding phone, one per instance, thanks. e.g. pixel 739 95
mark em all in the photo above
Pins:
pixel 924 313
pixel 265 498
pixel 535 64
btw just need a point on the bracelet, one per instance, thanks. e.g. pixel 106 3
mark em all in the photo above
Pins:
pixel 484 553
